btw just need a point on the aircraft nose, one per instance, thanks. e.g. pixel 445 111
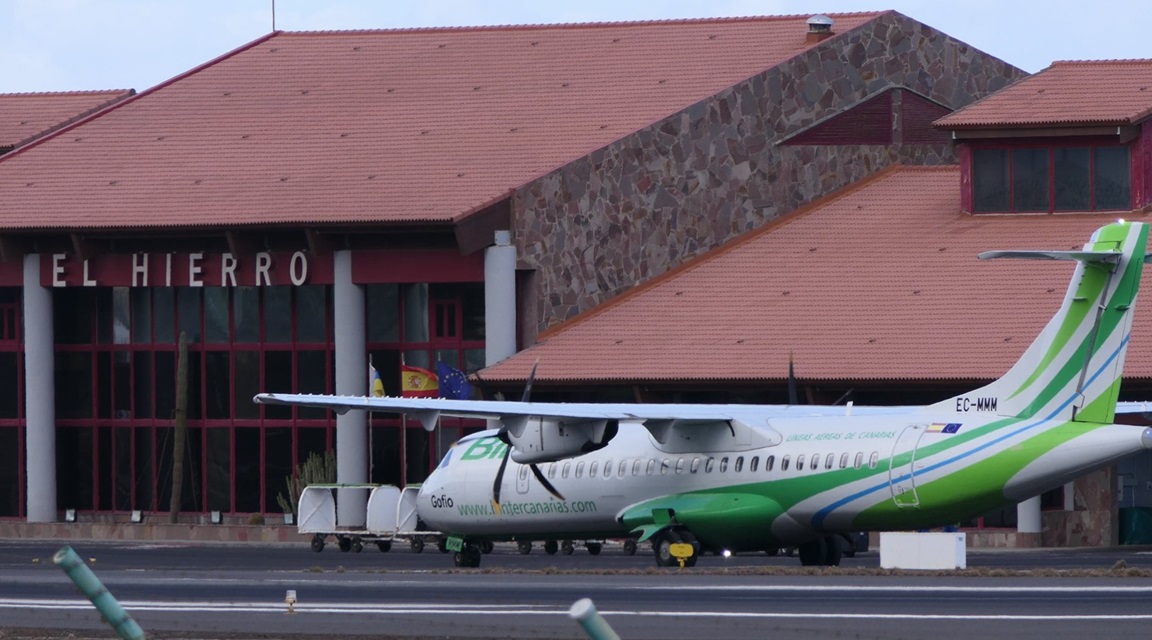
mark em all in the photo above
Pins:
pixel 1146 438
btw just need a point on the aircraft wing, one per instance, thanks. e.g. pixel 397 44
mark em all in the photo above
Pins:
pixel 486 409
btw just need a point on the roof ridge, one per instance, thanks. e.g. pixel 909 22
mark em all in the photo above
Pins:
pixel 50 94
pixel 1101 61
pixel 581 25
pixel 730 245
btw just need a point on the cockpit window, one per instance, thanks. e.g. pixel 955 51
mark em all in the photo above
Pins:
pixel 446 459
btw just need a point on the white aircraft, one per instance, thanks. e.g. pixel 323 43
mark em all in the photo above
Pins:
pixel 751 477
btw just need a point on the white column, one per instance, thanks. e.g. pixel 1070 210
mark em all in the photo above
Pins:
pixel 39 395
pixel 351 379
pixel 1028 516
pixel 499 299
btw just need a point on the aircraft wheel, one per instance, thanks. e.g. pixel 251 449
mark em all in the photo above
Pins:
pixel 663 544
pixel 357 544
pixel 687 536
pixel 772 551
pixel 384 545
pixel 468 557
pixel 630 547
pixel 524 546
pixel 849 547
pixel 417 545
pixel 487 547
pixel 317 543
pixel 567 547
pixel 833 549
pixel 594 548
pixel 813 552
pixel 550 547
pixel 345 544
pixel 442 545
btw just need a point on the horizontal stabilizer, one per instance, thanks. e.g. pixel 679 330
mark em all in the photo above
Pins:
pixel 1078 256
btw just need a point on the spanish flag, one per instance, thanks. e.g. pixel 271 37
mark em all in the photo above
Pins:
pixel 418 383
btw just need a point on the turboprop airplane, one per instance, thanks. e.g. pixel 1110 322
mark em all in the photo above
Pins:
pixel 751 477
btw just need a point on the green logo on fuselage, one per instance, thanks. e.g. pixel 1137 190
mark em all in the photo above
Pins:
pixel 485 449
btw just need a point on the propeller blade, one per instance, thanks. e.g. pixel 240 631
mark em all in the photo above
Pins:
pixel 544 481
pixel 531 379
pixel 499 481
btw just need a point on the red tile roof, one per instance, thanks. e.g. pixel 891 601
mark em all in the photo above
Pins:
pixel 1071 92
pixel 406 125
pixel 880 282
pixel 24 116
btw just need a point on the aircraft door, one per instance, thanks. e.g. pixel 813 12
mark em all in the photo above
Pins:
pixel 902 467
pixel 522 476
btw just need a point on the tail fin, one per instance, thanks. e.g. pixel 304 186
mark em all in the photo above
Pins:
pixel 1072 370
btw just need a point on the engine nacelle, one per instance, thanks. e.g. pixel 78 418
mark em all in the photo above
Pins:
pixel 535 440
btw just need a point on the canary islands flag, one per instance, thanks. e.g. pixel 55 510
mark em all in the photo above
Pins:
pixel 453 383
pixel 418 383
pixel 375 384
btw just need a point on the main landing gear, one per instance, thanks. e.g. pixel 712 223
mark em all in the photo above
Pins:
pixel 662 544
pixel 825 551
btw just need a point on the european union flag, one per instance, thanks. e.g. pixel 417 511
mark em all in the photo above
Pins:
pixel 951 427
pixel 454 384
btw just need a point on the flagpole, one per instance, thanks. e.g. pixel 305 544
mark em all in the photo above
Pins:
pixel 371 451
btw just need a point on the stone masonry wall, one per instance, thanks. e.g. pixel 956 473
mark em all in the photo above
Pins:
pixel 1093 520
pixel 689 183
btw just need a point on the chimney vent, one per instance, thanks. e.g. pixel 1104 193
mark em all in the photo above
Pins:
pixel 819 28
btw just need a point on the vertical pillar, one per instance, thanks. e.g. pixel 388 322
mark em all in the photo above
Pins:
pixel 351 379
pixel 40 395
pixel 499 299
pixel 1028 516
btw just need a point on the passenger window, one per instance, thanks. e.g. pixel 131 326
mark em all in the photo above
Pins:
pixel 859 461
pixel 723 464
pixel 636 467
pixel 754 464
pixel 551 470
pixel 695 465
pixel 829 460
pixel 665 465
pixel 844 461
pixel 680 465
pixel 769 462
pixel 523 473
pixel 708 464
pixel 800 462
pixel 739 464
pixel 564 472
pixel 784 464
pixel 815 462
pixel 592 468
pixel 873 460
pixel 579 469
pixel 622 469
pixel 651 466
pixel 608 469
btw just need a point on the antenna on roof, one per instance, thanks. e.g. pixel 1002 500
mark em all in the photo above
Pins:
pixel 273 15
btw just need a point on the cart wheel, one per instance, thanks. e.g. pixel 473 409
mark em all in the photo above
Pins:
pixel 442 545
pixel 630 547
pixel 384 545
pixel 567 547
pixel 317 543
pixel 417 545
pixel 345 544
pixel 550 547
pixel 487 547
pixel 357 544
pixel 593 547
pixel 524 546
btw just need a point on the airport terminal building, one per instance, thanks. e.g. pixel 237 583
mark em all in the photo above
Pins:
pixel 486 197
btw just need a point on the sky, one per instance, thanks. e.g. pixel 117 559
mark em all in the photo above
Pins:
pixel 70 45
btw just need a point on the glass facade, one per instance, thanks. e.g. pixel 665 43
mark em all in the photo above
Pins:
pixel 116 378
pixel 11 405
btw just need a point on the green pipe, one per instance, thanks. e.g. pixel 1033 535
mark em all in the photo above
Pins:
pixel 90 586
pixel 584 612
